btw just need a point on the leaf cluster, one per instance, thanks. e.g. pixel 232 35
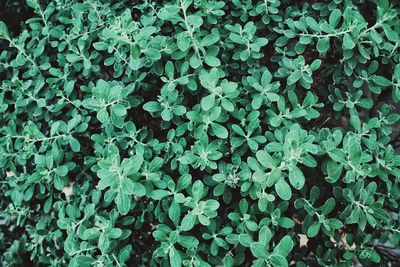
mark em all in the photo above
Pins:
pixel 200 133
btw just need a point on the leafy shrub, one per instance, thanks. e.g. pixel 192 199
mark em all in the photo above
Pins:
pixel 199 133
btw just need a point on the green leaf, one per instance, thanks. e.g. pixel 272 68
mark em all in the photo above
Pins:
pixel 195 20
pixel 115 233
pixel 62 170
pixel 197 190
pixel 195 61
pixel 183 41
pixel 391 34
pixel 259 250
pixel 237 38
pixel 123 203
pixel 279 261
pixel 265 159
pixel 152 54
pixel 323 45
pixel 174 212
pixel 209 39
pixel 312 23
pixel 374 256
pixel 175 259
pixel 212 61
pixel 183 182
pixel 296 178
pixel 127 186
pixel 219 130
pixel 119 110
pixel 211 205
pixel 315 65
pixel 159 194
pixel 69 87
pixel 382 81
pixel 335 223
pixel 208 102
pixel 102 115
pixel 313 229
pixel 334 17
pixel 274 176
pixel 285 246
pixel 348 42
pixel 294 77
pixel 166 114
pixel 245 240
pixel 140 190
pixel 283 189
pixel 188 222
pixel 286 222
pixel 152 106
pixel 4 30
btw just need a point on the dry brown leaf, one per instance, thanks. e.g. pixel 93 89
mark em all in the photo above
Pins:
pixel 343 242
pixel 303 240
pixel 67 190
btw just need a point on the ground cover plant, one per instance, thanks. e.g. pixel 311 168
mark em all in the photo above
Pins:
pixel 199 133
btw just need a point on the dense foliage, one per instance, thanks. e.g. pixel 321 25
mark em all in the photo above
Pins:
pixel 199 133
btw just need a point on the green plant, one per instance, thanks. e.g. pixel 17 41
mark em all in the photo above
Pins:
pixel 199 133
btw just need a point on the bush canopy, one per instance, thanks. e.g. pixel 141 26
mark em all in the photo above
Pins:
pixel 199 133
